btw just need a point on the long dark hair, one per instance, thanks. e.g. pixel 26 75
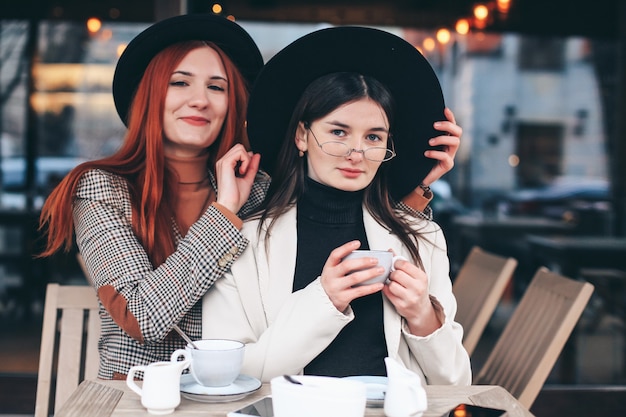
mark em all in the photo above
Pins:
pixel 320 98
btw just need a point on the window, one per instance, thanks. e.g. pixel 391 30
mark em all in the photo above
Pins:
pixel 541 54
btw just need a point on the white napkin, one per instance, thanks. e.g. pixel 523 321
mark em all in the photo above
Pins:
pixel 405 396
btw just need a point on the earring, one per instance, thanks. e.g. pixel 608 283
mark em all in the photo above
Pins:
pixel 300 154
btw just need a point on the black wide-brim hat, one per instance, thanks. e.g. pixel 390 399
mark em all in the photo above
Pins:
pixel 388 58
pixel 228 35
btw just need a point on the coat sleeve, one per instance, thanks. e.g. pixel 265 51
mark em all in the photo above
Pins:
pixel 143 300
pixel 305 325
pixel 441 356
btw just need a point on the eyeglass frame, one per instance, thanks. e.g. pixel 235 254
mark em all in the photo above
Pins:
pixel 350 150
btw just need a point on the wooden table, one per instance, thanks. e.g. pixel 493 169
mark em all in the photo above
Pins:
pixel 568 254
pixel 90 400
pixel 502 235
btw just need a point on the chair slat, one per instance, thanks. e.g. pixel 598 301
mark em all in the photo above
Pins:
pixel 69 360
pixel 46 351
pixel 91 355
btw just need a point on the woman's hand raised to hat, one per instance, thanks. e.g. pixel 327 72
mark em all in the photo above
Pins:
pixel 235 173
pixel 450 143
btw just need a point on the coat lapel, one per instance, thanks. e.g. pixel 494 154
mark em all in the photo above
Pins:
pixel 276 273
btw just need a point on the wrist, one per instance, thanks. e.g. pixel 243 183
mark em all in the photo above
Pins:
pixel 426 192
pixel 419 198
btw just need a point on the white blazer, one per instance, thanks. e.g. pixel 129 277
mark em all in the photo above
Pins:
pixel 284 331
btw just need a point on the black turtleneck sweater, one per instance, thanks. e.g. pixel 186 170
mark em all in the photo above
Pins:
pixel 328 218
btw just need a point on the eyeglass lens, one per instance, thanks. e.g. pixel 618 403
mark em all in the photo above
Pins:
pixel 377 154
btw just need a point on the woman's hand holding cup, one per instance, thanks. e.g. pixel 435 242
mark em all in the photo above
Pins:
pixel 350 273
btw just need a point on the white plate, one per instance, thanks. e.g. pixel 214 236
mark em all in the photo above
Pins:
pixel 376 387
pixel 243 385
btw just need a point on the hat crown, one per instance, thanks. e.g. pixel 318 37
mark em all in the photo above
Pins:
pixel 227 35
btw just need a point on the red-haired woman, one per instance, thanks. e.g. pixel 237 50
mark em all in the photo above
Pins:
pixel 149 223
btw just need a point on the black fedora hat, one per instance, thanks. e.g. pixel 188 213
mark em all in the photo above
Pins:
pixel 388 58
pixel 228 35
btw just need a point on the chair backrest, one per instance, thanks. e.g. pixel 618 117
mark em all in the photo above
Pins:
pixel 478 288
pixel 69 339
pixel 535 335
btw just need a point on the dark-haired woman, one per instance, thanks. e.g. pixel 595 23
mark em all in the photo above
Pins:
pixel 342 125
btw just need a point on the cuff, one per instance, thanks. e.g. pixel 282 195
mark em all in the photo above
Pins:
pixel 232 217
pixel 418 199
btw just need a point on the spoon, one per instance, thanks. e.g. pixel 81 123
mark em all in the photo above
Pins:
pixel 292 380
pixel 184 336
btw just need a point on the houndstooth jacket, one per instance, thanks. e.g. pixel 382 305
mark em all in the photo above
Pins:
pixel 140 304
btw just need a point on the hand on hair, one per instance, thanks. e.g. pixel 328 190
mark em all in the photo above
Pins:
pixel 235 173
pixel 450 142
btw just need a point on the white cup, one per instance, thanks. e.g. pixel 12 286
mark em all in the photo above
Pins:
pixel 160 392
pixel 216 362
pixel 385 259
pixel 318 396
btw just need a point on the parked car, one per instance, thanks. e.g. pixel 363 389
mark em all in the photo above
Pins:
pixel 561 199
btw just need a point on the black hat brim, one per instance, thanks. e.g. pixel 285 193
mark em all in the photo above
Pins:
pixel 390 59
pixel 228 35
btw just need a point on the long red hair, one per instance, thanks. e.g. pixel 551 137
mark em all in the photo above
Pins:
pixel 141 161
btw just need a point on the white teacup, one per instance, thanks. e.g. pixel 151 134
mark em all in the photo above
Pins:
pixel 385 259
pixel 216 362
pixel 318 396
pixel 160 392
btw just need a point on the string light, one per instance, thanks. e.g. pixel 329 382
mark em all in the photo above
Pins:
pixel 481 12
pixel 462 26
pixel 503 6
pixel 443 36
pixel 429 44
pixel 482 15
pixel 93 24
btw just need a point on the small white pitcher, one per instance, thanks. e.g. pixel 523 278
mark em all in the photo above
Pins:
pixel 160 392
pixel 405 396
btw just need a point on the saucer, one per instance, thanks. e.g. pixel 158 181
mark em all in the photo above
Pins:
pixel 243 386
pixel 376 387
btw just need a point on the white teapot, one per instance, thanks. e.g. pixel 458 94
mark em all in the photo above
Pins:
pixel 405 396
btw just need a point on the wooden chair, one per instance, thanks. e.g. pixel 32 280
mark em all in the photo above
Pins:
pixel 535 335
pixel 69 340
pixel 478 288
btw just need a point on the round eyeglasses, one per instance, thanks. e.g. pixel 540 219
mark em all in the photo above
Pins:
pixel 340 149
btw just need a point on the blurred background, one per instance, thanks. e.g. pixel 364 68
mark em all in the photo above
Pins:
pixel 539 88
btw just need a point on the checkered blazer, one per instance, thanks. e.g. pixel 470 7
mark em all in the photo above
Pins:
pixel 155 298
